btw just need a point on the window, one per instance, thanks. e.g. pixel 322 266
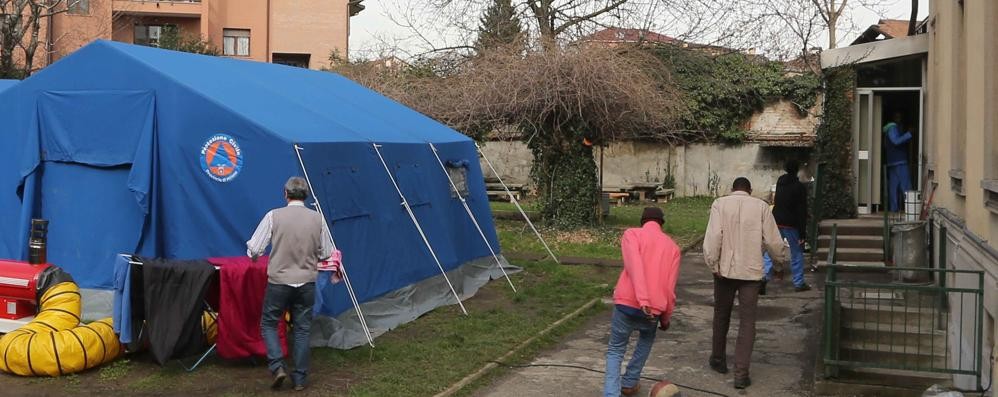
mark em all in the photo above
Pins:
pixel 458 173
pixel 236 42
pixel 148 35
pixel 78 7
pixel 296 60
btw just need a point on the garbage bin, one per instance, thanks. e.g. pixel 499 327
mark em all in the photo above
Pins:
pixel 908 241
pixel 912 205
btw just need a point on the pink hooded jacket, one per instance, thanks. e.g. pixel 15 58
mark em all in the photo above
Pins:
pixel 651 268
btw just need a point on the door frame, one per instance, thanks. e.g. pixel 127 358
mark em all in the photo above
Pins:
pixel 873 129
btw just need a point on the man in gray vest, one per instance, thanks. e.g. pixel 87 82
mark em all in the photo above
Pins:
pixel 300 241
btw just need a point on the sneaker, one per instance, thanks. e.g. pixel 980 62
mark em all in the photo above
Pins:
pixel 743 382
pixel 720 366
pixel 630 391
pixel 802 288
pixel 299 387
pixel 279 376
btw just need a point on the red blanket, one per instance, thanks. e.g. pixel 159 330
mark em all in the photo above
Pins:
pixel 242 284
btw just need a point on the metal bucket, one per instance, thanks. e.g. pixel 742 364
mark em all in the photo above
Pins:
pixel 908 240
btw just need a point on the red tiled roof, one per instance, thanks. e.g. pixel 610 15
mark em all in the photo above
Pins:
pixel 889 28
pixel 893 27
pixel 622 35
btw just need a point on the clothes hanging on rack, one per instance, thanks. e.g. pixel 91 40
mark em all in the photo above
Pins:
pixel 174 305
pixel 122 312
pixel 242 284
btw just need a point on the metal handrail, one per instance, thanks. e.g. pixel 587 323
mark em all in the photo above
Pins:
pixel 920 269
pixel 833 244
pixel 884 208
pixel 817 201
pixel 926 309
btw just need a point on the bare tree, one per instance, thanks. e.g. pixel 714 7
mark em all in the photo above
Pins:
pixel 20 33
pixel 832 12
pixel 452 24
pixel 561 102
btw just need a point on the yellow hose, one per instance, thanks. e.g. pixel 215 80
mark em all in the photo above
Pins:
pixel 55 343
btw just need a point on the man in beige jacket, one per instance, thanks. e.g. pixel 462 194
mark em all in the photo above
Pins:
pixel 739 229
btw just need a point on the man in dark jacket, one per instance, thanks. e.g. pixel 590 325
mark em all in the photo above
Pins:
pixel 790 212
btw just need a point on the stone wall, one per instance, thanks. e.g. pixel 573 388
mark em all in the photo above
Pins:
pixel 626 163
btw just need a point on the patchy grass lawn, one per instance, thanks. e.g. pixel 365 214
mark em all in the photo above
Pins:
pixel 685 221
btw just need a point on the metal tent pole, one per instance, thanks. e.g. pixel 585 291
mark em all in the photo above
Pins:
pixel 346 278
pixel 412 216
pixel 471 215
pixel 516 203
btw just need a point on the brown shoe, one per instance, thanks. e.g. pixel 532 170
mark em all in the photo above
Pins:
pixel 630 391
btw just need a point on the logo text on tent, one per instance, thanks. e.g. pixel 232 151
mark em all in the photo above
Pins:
pixel 221 158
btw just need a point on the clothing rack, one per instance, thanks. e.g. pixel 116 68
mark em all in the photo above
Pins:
pixel 207 308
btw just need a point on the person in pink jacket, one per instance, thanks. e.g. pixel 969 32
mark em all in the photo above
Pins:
pixel 643 299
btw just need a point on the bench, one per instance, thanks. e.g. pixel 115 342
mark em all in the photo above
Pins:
pixel 665 194
pixel 495 190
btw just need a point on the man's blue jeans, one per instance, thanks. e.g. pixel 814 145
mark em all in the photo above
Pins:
pixel 796 257
pixel 299 301
pixel 621 328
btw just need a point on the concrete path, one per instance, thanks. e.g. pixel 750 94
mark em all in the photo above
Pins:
pixel 782 362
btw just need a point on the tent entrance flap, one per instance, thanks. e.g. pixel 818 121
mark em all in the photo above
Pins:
pixel 88 170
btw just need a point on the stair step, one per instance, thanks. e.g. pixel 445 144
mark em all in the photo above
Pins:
pixel 854 254
pixel 917 329
pixel 936 351
pixel 871 229
pixel 885 307
pixel 845 266
pixel 916 380
pixel 910 343
pixel 852 242
pixel 889 314
pixel 880 355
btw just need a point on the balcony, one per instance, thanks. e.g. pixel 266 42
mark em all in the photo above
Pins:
pixel 177 8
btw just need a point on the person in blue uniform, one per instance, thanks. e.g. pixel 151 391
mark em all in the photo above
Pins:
pixel 896 158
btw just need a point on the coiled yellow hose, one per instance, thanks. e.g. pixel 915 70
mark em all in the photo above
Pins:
pixel 55 343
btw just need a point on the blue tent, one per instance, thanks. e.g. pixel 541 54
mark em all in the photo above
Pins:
pixel 133 149
pixel 5 84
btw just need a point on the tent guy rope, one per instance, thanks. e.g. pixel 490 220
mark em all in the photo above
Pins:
pixel 346 278
pixel 471 215
pixel 516 202
pixel 408 209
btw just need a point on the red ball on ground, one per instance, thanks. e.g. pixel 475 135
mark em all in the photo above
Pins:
pixel 664 389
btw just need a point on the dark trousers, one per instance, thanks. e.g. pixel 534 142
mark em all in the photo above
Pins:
pixel 724 298
pixel 299 301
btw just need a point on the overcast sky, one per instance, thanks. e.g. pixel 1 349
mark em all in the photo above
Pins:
pixel 373 27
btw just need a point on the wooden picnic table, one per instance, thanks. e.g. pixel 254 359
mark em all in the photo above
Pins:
pixel 644 190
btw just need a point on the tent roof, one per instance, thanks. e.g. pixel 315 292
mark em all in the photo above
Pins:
pixel 5 84
pixel 294 104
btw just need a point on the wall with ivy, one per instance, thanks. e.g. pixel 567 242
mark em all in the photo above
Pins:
pixel 834 145
pixel 722 91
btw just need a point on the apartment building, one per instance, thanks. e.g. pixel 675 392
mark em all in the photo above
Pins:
pixel 301 33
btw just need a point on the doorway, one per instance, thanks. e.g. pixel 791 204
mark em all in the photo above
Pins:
pixel 875 108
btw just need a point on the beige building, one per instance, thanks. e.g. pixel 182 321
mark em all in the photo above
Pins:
pixel 962 146
pixel 300 32
pixel 943 80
